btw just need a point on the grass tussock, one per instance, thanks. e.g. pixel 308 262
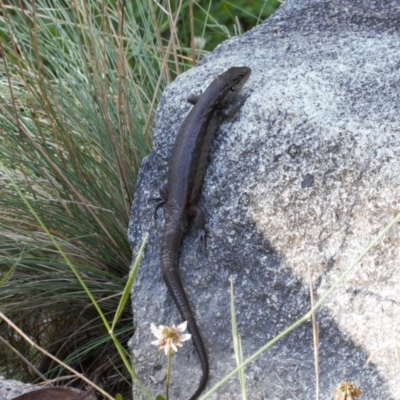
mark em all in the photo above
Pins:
pixel 76 83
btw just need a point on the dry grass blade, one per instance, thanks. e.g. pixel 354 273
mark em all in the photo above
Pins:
pixel 32 343
pixel 308 315
pixel 27 362
pixel 315 335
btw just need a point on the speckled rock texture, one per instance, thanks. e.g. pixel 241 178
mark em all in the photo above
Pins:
pixel 302 178
pixel 10 388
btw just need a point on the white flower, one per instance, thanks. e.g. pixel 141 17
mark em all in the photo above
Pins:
pixel 170 338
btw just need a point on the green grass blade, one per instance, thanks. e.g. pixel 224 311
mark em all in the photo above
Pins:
pixel 129 283
pixel 78 277
pixel 8 274
pixel 308 315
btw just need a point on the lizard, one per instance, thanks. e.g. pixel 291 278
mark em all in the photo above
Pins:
pixel 186 168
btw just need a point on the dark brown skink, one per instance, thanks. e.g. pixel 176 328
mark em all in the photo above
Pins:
pixel 186 168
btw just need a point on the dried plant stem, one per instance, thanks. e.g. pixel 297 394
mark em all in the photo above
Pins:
pixel 24 359
pixel 315 336
pixel 308 315
pixel 83 284
pixel 192 32
pixel 163 66
pixel 172 29
pixel 47 354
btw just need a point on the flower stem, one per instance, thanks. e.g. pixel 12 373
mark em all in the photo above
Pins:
pixel 168 375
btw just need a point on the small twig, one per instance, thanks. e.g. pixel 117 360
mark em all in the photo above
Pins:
pixel 286 386
pixel 378 349
pixel 32 343
pixel 72 378
pixel 29 364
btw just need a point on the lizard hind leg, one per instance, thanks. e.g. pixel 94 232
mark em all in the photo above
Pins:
pixel 199 222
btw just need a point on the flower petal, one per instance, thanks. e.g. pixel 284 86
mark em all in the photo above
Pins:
pixel 155 331
pixel 182 327
pixel 184 337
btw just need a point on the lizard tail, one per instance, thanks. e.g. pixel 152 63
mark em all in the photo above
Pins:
pixel 178 294
pixel 198 343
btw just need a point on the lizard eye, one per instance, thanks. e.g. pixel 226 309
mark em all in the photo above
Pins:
pixel 232 89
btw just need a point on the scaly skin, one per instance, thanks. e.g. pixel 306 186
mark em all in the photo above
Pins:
pixel 186 170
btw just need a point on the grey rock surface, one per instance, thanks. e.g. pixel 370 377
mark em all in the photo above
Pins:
pixel 302 178
pixel 10 388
